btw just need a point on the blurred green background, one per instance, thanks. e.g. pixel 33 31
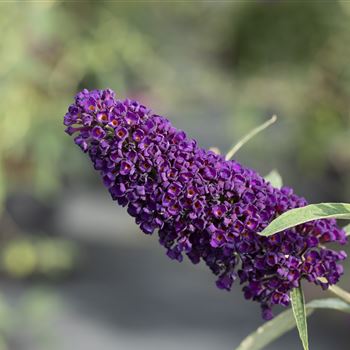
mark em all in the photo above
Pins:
pixel 216 69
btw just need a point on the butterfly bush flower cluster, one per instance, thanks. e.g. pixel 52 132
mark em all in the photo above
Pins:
pixel 201 205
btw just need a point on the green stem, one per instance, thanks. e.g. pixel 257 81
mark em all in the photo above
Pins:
pixel 249 136
pixel 340 293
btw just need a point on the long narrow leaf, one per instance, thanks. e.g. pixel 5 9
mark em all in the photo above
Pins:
pixel 299 311
pixel 340 293
pixel 329 303
pixel 249 136
pixel 347 230
pixel 284 322
pixel 311 212
pixel 270 331
pixel 274 178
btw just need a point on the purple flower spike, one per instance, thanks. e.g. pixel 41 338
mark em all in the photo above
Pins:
pixel 202 206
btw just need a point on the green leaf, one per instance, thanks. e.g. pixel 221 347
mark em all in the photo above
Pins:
pixel 311 212
pixel 274 178
pixel 347 229
pixel 270 331
pixel 329 303
pixel 340 293
pixel 284 322
pixel 249 136
pixel 299 311
pixel 2 188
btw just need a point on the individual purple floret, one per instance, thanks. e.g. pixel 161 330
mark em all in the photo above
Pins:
pixel 202 206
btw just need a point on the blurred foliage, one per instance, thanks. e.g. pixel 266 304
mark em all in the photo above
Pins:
pixel 46 257
pixel 200 63
pixel 32 313
pixel 51 52
pixel 280 33
pixel 291 58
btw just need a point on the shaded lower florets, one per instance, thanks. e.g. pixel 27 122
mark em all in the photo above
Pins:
pixel 202 206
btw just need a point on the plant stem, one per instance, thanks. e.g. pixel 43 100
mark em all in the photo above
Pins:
pixel 249 136
pixel 340 293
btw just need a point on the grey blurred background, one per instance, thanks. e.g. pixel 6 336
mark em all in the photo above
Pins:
pixel 75 272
